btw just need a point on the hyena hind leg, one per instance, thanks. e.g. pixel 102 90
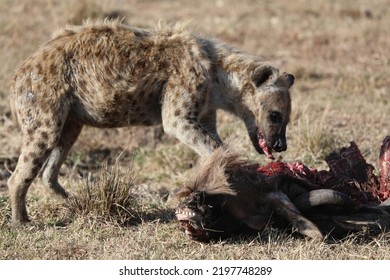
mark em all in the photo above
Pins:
pixel 34 153
pixel 69 134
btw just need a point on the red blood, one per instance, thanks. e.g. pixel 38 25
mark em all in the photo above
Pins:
pixel 275 168
pixel 266 149
pixel 348 173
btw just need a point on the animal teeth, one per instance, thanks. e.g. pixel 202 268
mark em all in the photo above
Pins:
pixel 187 213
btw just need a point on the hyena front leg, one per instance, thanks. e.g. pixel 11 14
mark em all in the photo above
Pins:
pixel 69 134
pixel 40 136
pixel 208 120
pixel 180 118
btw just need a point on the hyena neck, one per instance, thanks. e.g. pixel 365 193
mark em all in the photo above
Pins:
pixel 225 91
pixel 230 79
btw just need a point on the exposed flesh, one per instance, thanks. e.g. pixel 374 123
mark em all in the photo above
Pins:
pixel 264 146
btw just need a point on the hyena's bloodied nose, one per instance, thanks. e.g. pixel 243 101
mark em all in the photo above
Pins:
pixel 280 145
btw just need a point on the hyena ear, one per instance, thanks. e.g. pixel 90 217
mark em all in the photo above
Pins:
pixel 262 74
pixel 290 79
pixel 286 79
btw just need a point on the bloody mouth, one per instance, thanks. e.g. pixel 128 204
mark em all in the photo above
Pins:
pixel 191 223
pixel 267 150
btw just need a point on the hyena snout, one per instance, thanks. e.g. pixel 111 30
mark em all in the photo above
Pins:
pixel 280 144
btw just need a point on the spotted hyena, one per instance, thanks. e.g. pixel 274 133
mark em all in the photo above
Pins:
pixel 112 75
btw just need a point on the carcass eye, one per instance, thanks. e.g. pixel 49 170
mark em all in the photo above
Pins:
pixel 275 117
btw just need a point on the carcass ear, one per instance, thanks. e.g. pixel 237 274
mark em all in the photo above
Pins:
pixel 262 74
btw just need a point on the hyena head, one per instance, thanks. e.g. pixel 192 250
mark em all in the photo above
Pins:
pixel 267 108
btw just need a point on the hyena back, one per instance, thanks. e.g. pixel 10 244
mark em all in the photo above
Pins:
pixel 112 75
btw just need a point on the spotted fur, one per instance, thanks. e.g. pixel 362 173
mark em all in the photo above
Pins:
pixel 107 74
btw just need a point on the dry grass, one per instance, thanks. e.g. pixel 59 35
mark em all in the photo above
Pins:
pixel 338 51
pixel 109 197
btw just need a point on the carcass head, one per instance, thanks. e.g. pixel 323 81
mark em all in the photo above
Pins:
pixel 202 218
pixel 201 213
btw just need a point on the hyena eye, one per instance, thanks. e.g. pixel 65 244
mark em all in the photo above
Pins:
pixel 275 117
